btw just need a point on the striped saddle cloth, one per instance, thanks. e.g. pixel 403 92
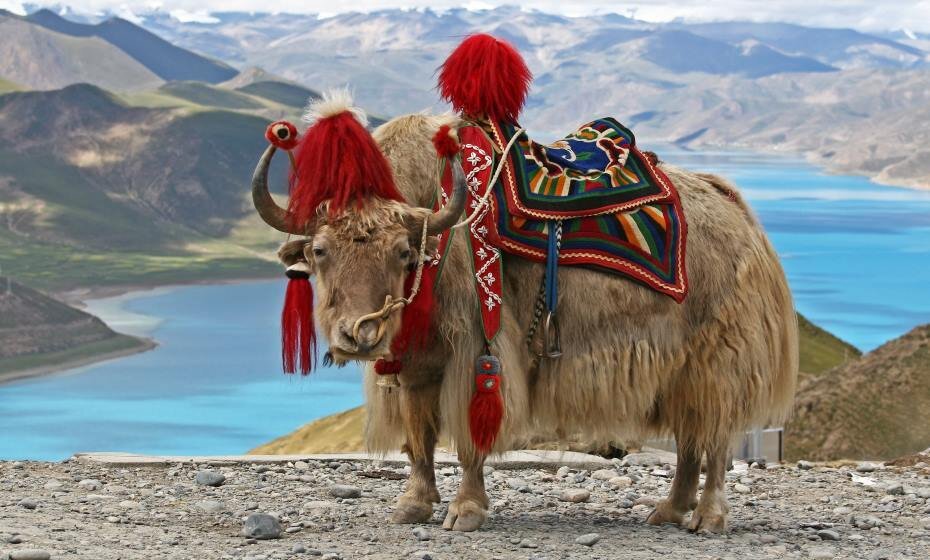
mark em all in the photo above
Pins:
pixel 619 212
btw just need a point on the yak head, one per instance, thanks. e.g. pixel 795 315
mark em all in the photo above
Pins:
pixel 359 257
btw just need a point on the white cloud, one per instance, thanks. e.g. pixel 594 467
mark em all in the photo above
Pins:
pixel 866 15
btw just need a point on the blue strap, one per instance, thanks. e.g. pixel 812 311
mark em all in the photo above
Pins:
pixel 552 267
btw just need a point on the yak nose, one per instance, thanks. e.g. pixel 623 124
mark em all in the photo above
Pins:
pixel 367 336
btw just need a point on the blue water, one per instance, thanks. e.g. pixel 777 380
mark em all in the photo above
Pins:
pixel 857 257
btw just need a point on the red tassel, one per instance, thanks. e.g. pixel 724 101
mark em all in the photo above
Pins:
pixel 445 143
pixel 298 333
pixel 486 410
pixel 416 319
pixel 485 77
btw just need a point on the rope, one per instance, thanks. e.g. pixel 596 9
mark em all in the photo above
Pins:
pixel 483 201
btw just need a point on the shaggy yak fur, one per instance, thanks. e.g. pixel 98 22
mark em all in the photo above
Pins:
pixel 635 363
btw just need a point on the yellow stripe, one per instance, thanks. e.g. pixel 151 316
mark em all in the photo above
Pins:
pixel 632 231
pixel 655 214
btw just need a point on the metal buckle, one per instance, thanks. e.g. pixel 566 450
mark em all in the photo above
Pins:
pixel 552 340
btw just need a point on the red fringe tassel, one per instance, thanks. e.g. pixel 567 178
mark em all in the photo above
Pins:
pixel 298 333
pixel 485 412
pixel 416 318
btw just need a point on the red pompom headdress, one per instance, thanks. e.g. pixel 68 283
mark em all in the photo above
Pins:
pixel 337 160
pixel 485 77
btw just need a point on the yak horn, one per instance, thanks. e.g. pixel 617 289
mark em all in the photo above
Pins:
pixel 449 214
pixel 273 215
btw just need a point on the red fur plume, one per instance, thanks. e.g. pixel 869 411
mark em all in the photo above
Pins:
pixel 445 142
pixel 282 134
pixel 485 76
pixel 337 160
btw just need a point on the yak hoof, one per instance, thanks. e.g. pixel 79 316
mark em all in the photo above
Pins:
pixel 465 516
pixel 664 513
pixel 409 510
pixel 708 519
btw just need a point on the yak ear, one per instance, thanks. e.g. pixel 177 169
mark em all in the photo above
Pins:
pixel 292 252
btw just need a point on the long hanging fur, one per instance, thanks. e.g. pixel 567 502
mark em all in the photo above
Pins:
pixel 338 161
pixel 485 77
pixel 298 332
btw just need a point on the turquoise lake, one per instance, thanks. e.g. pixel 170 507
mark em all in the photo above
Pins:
pixel 857 257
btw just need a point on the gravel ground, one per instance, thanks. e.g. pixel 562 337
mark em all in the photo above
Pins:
pixel 339 510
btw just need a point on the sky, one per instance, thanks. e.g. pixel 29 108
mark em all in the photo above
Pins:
pixel 866 15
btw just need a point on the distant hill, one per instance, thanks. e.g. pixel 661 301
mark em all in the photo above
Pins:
pixel 280 92
pixel 125 194
pixel 167 61
pixel 37 331
pixel 38 58
pixel 874 407
pixel 342 432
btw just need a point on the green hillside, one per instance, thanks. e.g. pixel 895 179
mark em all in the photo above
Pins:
pixel 7 86
pixel 291 95
pixel 820 350
pixel 209 96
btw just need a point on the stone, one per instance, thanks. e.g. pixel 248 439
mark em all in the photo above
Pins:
pixel 30 554
pixel 648 459
pixel 866 467
pixel 90 484
pixel 518 484
pixel 925 523
pixel 298 548
pixel 805 465
pixel 211 506
pixel 866 521
pixel 53 485
pixel 301 466
pixel 209 478
pixel 604 474
pixel 620 482
pixel 345 491
pixel 261 526
pixel 14 539
pixel 588 539
pixel 28 503
pixel 828 535
pixel 421 533
pixel 575 495
pixel 821 553
pixel 895 489
pixel 741 489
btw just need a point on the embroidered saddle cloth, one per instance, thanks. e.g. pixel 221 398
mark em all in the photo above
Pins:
pixel 620 214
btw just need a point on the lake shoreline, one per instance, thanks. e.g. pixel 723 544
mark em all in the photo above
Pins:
pixel 143 345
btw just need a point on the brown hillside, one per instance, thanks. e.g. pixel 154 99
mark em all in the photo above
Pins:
pixel 874 407
pixel 38 331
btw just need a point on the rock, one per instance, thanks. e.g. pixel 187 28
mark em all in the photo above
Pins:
pixel 649 459
pixel 298 548
pixel 866 467
pixel 211 506
pixel 563 471
pixel 28 503
pixel 53 485
pixel 575 495
pixel 620 482
pixel 842 510
pixel 741 488
pixel 589 539
pixel 90 484
pixel 14 539
pixel 345 491
pixel 30 554
pixel 895 489
pixel 604 474
pixel 866 521
pixel 925 523
pixel 528 543
pixel 768 539
pixel 301 466
pixel 805 465
pixel 209 478
pixel 821 553
pixel 518 484
pixel 828 535
pixel 421 533
pixel 261 526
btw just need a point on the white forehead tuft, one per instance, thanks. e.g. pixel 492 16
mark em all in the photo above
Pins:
pixel 332 103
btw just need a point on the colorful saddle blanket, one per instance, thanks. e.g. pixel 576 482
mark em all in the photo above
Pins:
pixel 620 213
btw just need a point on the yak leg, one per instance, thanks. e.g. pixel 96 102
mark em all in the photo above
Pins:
pixel 710 516
pixel 419 407
pixel 469 510
pixel 681 499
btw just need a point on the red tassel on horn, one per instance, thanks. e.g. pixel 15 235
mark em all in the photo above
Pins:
pixel 298 332
pixel 445 142
pixel 486 410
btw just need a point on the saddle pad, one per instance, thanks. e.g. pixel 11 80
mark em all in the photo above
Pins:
pixel 646 243
pixel 596 169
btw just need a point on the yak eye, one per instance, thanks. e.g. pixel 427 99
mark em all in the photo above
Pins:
pixel 405 254
pixel 319 252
